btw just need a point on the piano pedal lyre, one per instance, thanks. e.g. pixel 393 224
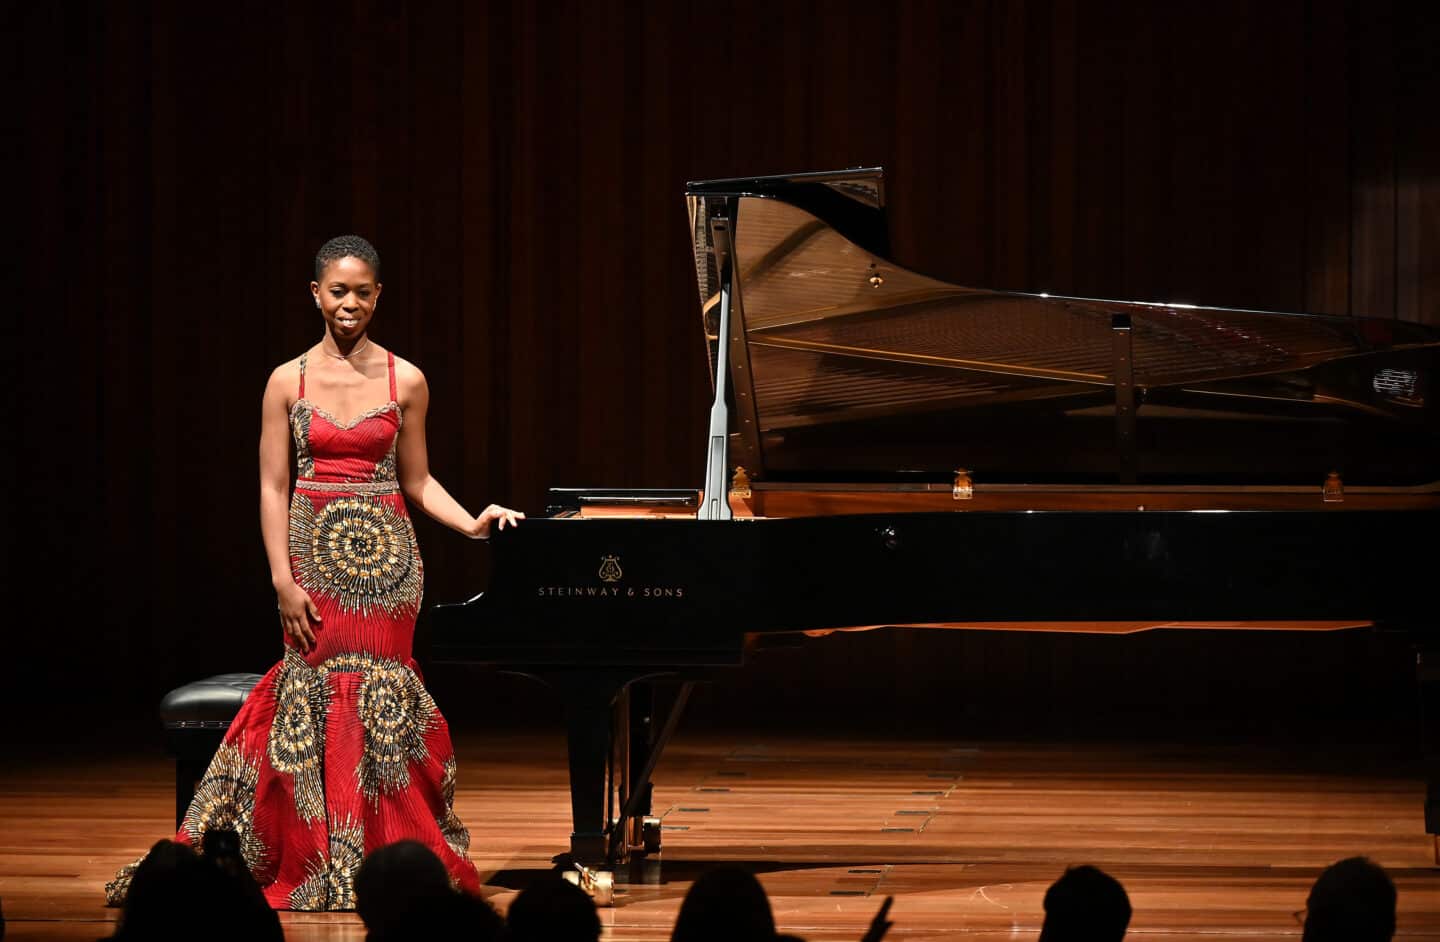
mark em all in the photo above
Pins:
pixel 642 835
pixel 599 885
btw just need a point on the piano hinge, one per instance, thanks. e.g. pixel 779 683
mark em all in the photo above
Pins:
pixel 740 484
pixel 963 488
pixel 1333 491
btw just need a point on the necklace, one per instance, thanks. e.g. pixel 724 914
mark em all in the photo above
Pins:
pixel 346 356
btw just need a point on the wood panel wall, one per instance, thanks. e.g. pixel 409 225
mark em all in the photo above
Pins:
pixel 520 167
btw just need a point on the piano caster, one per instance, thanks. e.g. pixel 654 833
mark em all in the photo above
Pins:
pixel 599 885
pixel 650 835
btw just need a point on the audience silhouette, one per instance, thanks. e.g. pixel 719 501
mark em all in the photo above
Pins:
pixel 1353 900
pixel 221 849
pixel 456 916
pixel 175 895
pixel 403 892
pixel 553 910
pixel 1085 905
pixel 726 904
pixel 396 881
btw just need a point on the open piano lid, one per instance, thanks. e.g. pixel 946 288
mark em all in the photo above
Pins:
pixel 844 366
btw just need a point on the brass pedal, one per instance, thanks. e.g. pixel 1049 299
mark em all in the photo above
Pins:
pixel 599 885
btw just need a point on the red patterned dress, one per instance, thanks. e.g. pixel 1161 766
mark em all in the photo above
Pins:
pixel 339 751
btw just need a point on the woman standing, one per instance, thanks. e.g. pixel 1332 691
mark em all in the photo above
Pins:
pixel 340 750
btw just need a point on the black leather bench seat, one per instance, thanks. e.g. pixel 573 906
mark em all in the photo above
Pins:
pixel 196 717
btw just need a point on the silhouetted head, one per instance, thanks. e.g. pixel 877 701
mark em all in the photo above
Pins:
pixel 1085 905
pixel 455 916
pixel 1352 901
pixel 553 910
pixel 726 904
pixel 396 881
pixel 175 895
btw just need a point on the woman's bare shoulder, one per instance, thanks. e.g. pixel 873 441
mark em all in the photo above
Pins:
pixel 285 377
pixel 407 375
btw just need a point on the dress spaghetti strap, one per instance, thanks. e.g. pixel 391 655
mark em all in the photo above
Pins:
pixel 390 359
pixel 303 357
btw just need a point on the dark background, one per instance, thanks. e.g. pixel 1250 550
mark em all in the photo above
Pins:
pixel 521 167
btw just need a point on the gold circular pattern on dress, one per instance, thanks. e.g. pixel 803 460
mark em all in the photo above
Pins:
pixel 297 734
pixel 225 799
pixel 451 828
pixel 330 877
pixel 396 712
pixel 359 550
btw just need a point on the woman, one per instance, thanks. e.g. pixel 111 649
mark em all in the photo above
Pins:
pixel 340 749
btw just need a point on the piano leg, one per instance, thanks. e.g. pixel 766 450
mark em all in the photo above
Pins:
pixel 590 727
pixel 612 748
pixel 1427 663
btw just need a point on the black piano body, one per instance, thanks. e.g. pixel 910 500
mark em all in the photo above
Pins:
pixel 888 450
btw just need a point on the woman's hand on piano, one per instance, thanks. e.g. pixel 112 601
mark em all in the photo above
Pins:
pixel 497 516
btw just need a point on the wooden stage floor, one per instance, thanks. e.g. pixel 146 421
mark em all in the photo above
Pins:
pixel 1211 842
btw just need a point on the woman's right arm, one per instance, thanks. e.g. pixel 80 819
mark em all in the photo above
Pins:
pixel 298 614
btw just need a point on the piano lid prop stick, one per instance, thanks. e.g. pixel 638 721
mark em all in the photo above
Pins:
pixel 717 485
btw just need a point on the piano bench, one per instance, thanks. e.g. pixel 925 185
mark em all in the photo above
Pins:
pixel 196 717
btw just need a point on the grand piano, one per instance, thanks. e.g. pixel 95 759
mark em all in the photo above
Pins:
pixel 889 450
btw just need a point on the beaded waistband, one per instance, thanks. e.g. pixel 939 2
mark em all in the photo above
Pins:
pixel 348 487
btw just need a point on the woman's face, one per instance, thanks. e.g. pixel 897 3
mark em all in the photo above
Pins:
pixel 346 293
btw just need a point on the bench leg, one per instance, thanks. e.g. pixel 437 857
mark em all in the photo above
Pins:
pixel 187 775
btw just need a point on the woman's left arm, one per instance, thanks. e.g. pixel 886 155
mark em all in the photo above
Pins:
pixel 413 468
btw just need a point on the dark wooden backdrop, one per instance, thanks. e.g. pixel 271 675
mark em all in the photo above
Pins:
pixel 521 165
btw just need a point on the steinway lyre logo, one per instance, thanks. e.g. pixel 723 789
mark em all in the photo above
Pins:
pixel 609 587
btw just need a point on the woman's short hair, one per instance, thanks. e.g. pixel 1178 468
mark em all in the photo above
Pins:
pixel 347 246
